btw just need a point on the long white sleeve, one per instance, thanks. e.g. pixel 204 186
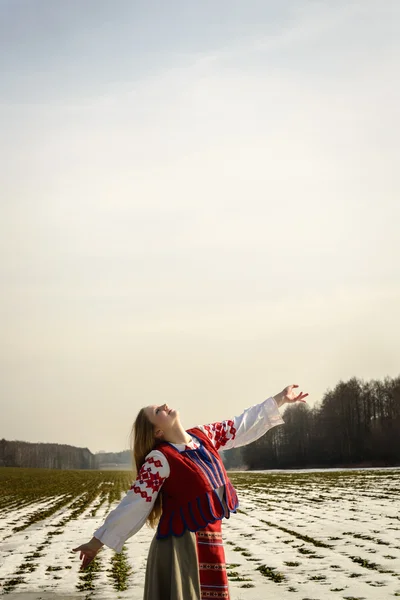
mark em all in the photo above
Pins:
pixel 246 428
pixel 131 513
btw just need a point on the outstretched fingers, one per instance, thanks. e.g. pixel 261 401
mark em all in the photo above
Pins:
pixel 84 557
pixel 86 562
pixel 301 397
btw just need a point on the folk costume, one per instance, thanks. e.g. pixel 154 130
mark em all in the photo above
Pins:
pixel 186 558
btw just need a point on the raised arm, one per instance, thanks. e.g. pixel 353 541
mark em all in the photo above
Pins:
pixel 252 423
pixel 131 513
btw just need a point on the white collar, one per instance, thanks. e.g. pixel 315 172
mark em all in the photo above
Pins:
pixel 192 443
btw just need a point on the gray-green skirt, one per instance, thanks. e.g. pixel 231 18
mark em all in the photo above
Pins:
pixel 172 571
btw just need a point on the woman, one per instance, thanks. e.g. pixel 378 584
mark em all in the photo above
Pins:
pixel 182 487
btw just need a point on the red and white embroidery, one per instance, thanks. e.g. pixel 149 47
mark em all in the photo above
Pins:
pixel 155 461
pixel 149 480
pixel 220 433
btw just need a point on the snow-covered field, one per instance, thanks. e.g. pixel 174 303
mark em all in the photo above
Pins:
pixel 298 536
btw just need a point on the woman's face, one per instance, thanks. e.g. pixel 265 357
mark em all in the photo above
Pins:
pixel 162 416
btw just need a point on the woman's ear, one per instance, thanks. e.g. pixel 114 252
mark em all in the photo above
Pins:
pixel 158 434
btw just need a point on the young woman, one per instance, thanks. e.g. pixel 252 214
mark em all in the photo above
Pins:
pixel 183 489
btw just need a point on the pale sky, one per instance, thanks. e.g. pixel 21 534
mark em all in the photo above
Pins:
pixel 200 204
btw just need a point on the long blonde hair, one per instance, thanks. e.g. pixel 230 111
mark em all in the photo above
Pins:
pixel 143 442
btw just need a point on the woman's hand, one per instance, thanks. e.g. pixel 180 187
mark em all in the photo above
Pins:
pixel 88 551
pixel 289 395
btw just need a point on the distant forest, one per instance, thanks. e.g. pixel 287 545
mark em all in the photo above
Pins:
pixel 46 456
pixel 355 424
pixel 59 456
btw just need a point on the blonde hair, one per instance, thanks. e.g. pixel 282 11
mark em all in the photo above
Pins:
pixel 143 442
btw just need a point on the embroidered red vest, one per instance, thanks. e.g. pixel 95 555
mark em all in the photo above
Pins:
pixel 189 497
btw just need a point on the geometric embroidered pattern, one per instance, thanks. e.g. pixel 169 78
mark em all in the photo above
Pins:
pixel 206 594
pixel 155 461
pixel 211 535
pixel 212 566
pixel 220 433
pixel 148 481
pixel 211 560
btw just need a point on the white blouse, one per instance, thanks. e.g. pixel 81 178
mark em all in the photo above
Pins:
pixel 131 513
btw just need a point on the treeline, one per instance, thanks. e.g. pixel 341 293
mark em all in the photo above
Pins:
pixel 356 424
pixel 117 458
pixel 47 456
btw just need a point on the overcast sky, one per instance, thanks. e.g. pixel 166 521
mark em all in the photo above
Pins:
pixel 199 205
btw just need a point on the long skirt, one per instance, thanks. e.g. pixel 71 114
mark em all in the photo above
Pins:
pixel 190 567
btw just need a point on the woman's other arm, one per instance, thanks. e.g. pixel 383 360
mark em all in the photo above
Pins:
pixel 131 513
pixel 253 423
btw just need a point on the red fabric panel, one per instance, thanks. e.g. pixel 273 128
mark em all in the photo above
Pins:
pixel 212 567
